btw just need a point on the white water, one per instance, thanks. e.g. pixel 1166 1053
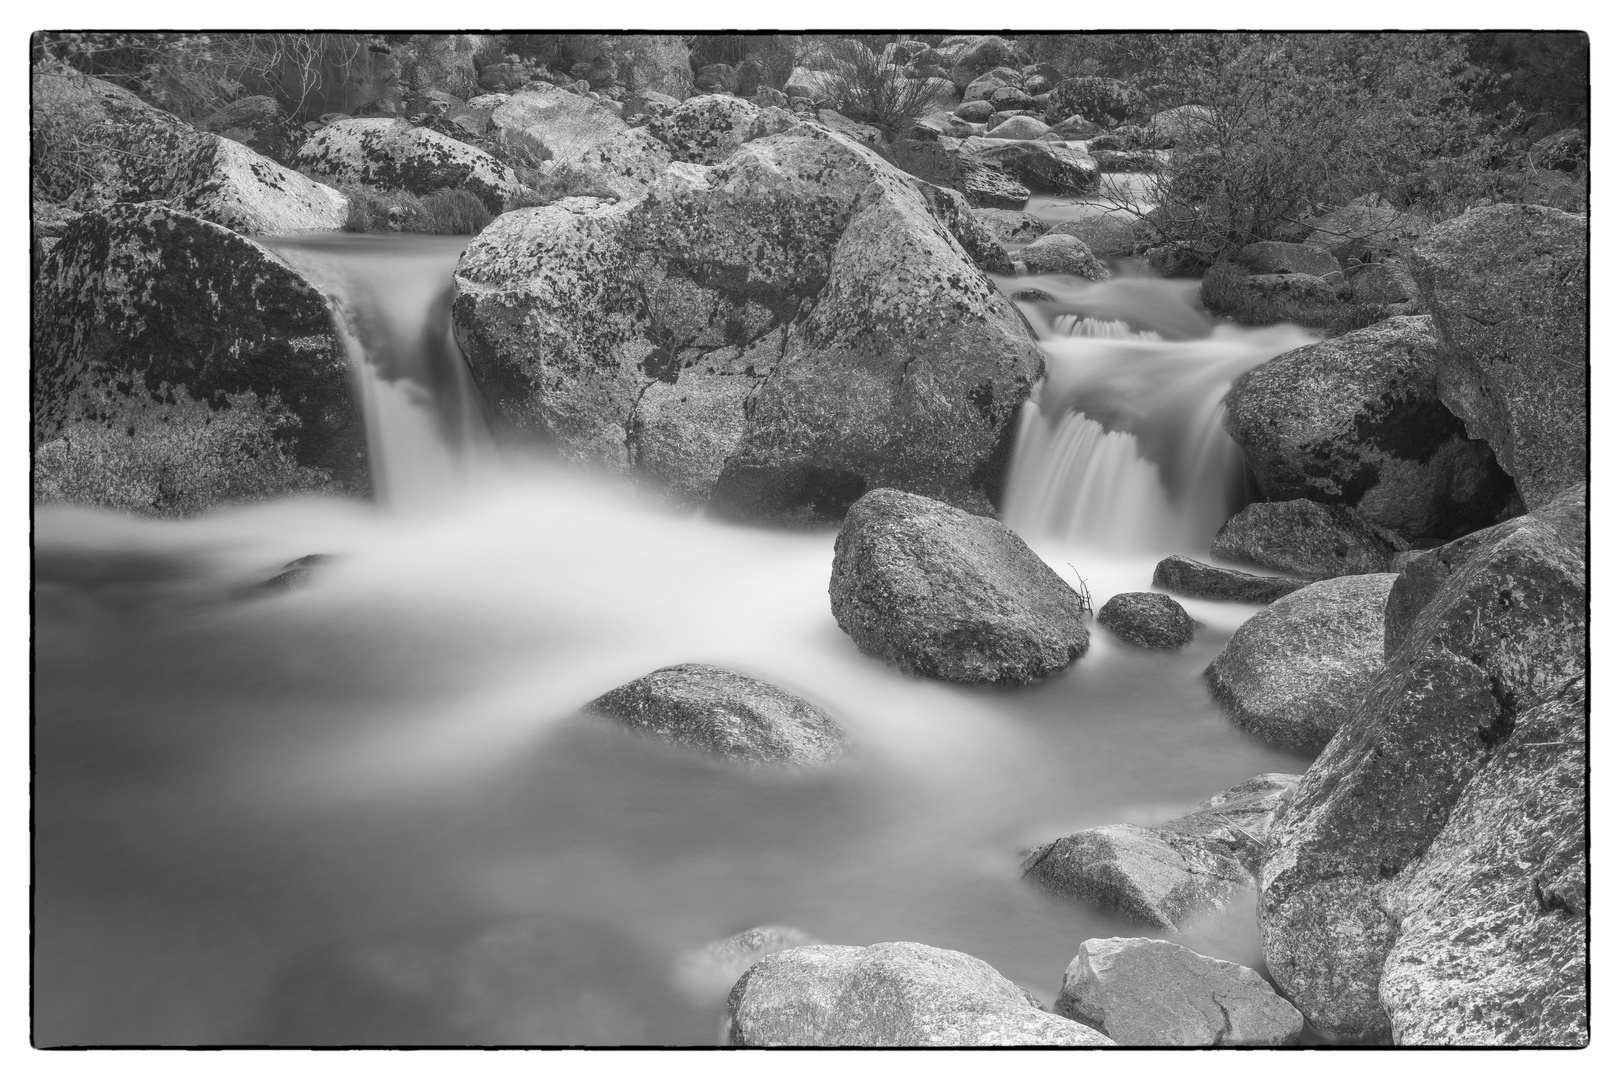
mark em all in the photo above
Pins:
pixel 236 789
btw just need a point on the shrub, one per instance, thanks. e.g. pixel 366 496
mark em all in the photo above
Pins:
pixel 864 88
pixel 564 181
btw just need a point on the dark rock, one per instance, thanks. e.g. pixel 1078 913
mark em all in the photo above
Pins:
pixel 1061 253
pixel 1053 167
pixel 1127 161
pixel 1146 619
pixel 1304 539
pixel 897 993
pixel 1504 632
pixel 1103 101
pixel 1010 97
pixel 937 124
pixel 1293 672
pixel 944 593
pixel 298 573
pixel 1564 151
pixel 1168 260
pixel 1289 288
pixel 1275 257
pixel 1144 992
pixel 984 86
pixel 1381 283
pixel 1169 876
pixel 1507 286
pixel 726 714
pixel 1204 582
pixel 1493 919
pixel 1011 226
pixel 1357 421
pixel 392 154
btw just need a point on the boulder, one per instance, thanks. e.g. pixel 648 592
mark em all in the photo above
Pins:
pixel 1144 992
pixel 126 151
pixel 1017 127
pixel 1289 288
pixel 794 286
pixel 1381 283
pixel 1508 289
pixel 1292 673
pixel 1108 236
pixel 1357 421
pixel 944 593
pixel 975 112
pixel 561 126
pixel 170 345
pixel 1011 226
pixel 1100 100
pixel 1075 127
pixel 1173 875
pixel 1061 253
pixel 1201 581
pixel 982 55
pixel 708 129
pixel 725 714
pixel 708 974
pixel 1182 126
pixel 1503 632
pixel 936 124
pixel 1010 97
pixel 1052 167
pixel 984 86
pixel 1276 257
pixel 1148 620
pixel 386 153
pixel 951 209
pixel 1493 917
pixel 255 121
pixel 896 993
pixel 1303 539
pixel 1365 229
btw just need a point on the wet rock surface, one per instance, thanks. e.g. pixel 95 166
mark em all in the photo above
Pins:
pixel 944 593
pixel 1145 992
pixel 1189 577
pixel 1303 539
pixel 1147 620
pixel 891 994
pixel 709 973
pixel 726 714
pixel 1294 672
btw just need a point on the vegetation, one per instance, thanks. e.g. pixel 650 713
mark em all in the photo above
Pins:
pixel 865 88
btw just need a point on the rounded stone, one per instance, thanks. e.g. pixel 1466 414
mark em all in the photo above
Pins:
pixel 1147 619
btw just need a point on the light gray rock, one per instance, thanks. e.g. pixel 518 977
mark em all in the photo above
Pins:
pixel 386 153
pixel 1061 253
pixel 892 994
pixel 1294 672
pixel 1148 620
pixel 1057 168
pixel 1108 236
pixel 565 126
pixel 1304 539
pixel 944 593
pixel 1201 581
pixel 1145 992
pixel 1011 226
pixel 1018 127
pixel 725 714
pixel 709 128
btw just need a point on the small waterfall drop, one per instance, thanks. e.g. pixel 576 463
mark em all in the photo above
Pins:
pixel 1123 446
pixel 425 428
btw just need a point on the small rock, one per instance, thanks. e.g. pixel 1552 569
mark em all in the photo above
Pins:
pixel 1147 619
pixel 1145 992
pixel 1303 538
pixel 1204 582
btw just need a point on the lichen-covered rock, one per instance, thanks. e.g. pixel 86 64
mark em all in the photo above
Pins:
pixel 1294 672
pixel 861 345
pixel 148 321
pixel 128 151
pixel 1145 992
pixel 1172 875
pixel 1491 949
pixel 1508 289
pixel 1503 632
pixel 1012 226
pixel 951 209
pixel 725 714
pixel 1356 421
pixel 389 153
pixel 945 593
pixel 1303 539
pixel 1053 167
pixel 1062 253
pixel 1276 257
pixel 707 129
pixel 1148 620
pixel 896 993
pixel 1201 581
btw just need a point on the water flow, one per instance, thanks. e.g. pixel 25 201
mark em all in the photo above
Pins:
pixel 1123 446
pixel 425 430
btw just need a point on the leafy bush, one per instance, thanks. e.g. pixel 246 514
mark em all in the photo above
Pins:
pixel 864 88
pixel 445 212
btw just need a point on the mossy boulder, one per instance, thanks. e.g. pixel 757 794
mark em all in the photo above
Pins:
pixel 387 153
pixel 1303 538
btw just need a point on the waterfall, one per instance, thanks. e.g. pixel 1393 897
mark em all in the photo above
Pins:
pixel 1123 445
pixel 425 428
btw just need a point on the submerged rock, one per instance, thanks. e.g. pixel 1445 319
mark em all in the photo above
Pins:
pixel 726 714
pixel 1145 992
pixel 1504 631
pixel 387 153
pixel 1303 538
pixel 709 973
pixel 1493 917
pixel 1171 875
pixel 1146 619
pixel 298 573
pixel 1293 672
pixel 1357 421
pixel 1201 581
pixel 944 593
pixel 896 993
pixel 1508 288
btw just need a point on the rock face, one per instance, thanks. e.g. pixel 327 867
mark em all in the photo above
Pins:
pixel 1144 992
pixel 1044 166
pixel 387 153
pixel 709 973
pixel 726 714
pixel 1303 538
pixel 1504 631
pixel 141 154
pixel 1294 672
pixel 1493 918
pixel 707 129
pixel 156 321
pixel 892 994
pixel 1148 620
pixel 1508 289
pixel 1204 582
pixel 1357 421
pixel 1060 253
pixel 770 336
pixel 947 594
pixel 1169 876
